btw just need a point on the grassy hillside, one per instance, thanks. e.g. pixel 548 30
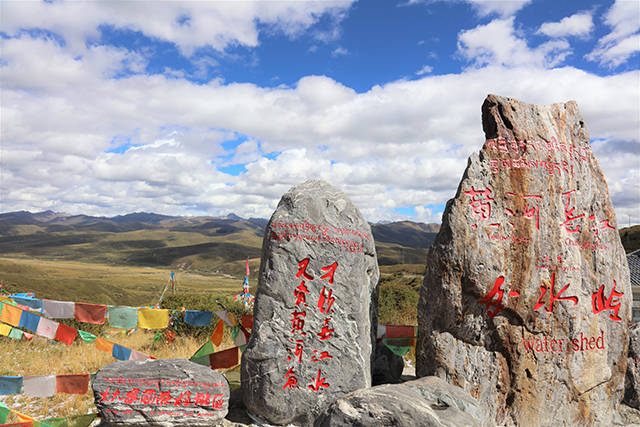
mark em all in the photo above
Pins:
pixel 630 237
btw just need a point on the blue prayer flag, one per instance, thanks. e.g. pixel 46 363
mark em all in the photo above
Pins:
pixel 10 385
pixel 121 353
pixel 198 318
pixel 29 321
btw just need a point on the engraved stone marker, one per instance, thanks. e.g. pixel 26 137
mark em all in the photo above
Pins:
pixel 311 341
pixel 170 392
pixel 526 297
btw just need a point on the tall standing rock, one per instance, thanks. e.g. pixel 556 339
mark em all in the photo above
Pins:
pixel 315 312
pixel 526 298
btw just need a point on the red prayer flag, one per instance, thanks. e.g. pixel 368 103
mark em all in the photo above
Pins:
pixel 224 359
pixel 247 321
pixel 400 331
pixel 66 334
pixel 72 383
pixel 90 313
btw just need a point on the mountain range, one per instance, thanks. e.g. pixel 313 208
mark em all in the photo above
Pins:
pixel 201 243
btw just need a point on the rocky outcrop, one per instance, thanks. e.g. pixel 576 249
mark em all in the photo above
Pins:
pixel 312 334
pixel 169 392
pixel 526 297
pixel 632 380
pixel 424 402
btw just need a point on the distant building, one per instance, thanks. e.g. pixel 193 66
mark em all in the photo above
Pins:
pixel 633 259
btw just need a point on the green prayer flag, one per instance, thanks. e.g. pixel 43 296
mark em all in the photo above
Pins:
pixel 82 420
pixel 42 424
pixel 202 360
pixel 399 350
pixel 234 332
pixel 206 349
pixel 87 336
pixel 56 422
pixel 242 347
pixel 1 305
pixel 4 412
pixel 16 334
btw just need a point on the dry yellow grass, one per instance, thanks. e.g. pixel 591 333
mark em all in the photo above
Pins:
pixel 45 357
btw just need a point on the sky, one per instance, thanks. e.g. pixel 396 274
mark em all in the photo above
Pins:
pixel 219 107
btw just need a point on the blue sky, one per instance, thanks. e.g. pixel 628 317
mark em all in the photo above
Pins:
pixel 209 108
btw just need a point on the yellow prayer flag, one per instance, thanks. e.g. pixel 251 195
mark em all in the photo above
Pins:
pixel 23 418
pixel 11 315
pixel 233 319
pixel 5 329
pixel 150 318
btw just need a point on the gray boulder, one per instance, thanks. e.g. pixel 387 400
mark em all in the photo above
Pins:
pixel 424 402
pixel 169 392
pixel 632 379
pixel 312 334
pixel 387 366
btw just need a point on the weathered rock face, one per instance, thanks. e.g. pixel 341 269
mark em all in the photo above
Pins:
pixel 526 297
pixel 312 334
pixel 632 380
pixel 424 402
pixel 169 392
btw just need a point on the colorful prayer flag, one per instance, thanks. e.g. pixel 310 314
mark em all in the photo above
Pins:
pixel 216 336
pixel 11 315
pixel 47 328
pixel 198 318
pixel 29 321
pixel 123 317
pixel 5 329
pixel 120 353
pixel 150 318
pixel 15 334
pixel 10 385
pixel 90 313
pixel 72 383
pixel 66 334
pixel 40 386
pixel 224 359
pixel 52 309
pixel 104 345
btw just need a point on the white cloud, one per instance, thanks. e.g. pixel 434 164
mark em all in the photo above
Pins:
pixel 624 39
pixel 579 24
pixel 424 70
pixel 189 25
pixel 497 43
pixel 402 144
pixel 504 8
pixel 339 51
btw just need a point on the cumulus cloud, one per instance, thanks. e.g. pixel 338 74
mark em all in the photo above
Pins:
pixel 623 41
pixel 424 70
pixel 504 8
pixel 80 141
pixel 189 25
pixel 497 43
pixel 579 24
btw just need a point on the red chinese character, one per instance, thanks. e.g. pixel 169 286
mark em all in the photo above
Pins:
pixel 302 269
pixel 481 207
pixel 300 292
pixel 323 355
pixel 606 225
pixel 326 332
pixel 325 298
pixel 488 299
pixel 292 381
pixel 331 271
pixel 183 399
pixel 553 297
pixel 568 215
pixel 132 396
pixel 298 351
pixel 116 395
pixel 529 212
pixel 202 399
pixel 318 383
pixel 217 401
pixel 105 395
pixel 163 398
pixel 297 323
pixel 599 304
pixel 148 396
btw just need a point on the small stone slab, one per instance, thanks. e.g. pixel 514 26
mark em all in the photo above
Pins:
pixel 169 392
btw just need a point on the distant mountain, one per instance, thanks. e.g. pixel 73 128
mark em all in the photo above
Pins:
pixel 204 243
